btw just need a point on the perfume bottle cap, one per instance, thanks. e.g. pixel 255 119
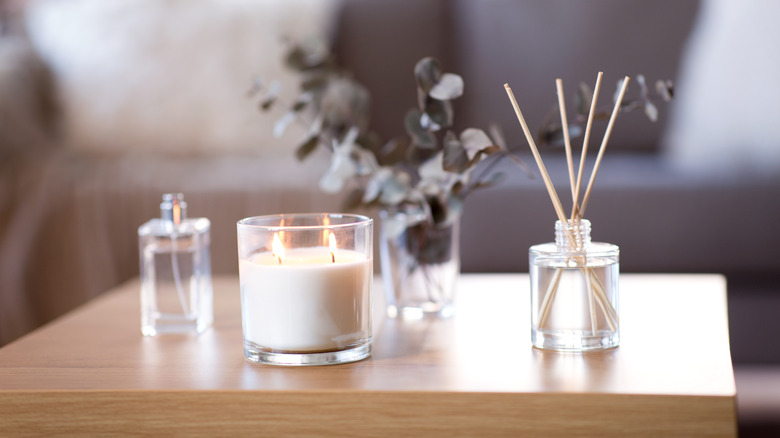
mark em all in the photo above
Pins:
pixel 173 208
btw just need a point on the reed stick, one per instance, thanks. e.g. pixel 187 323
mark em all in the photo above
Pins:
pixel 591 306
pixel 600 292
pixel 575 210
pixel 566 137
pixel 603 146
pixel 610 314
pixel 552 288
pixel 530 138
pixel 574 195
pixel 596 291
pixel 575 187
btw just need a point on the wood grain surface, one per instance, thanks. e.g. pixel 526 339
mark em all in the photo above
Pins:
pixel 476 373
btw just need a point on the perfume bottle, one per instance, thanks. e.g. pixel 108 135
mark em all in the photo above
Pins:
pixel 574 291
pixel 176 292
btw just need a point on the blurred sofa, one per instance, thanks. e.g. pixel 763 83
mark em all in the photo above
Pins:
pixel 107 105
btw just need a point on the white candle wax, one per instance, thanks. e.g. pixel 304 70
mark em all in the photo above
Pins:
pixel 308 302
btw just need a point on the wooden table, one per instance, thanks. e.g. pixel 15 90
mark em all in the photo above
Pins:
pixel 475 374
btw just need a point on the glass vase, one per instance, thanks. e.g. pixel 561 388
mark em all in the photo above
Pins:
pixel 574 291
pixel 420 264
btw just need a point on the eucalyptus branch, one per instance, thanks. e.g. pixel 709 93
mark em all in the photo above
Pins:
pixel 551 131
pixel 429 167
pixel 481 180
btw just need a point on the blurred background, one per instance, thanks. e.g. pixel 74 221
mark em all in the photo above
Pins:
pixel 104 106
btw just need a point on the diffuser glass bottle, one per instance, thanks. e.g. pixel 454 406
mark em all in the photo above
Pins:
pixel 574 291
pixel 176 291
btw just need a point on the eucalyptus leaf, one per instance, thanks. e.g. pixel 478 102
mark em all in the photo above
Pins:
pixel 267 103
pixel 583 99
pixel 552 134
pixel 307 54
pixel 617 90
pixel 420 135
pixel 395 189
pixel 640 80
pixel 438 115
pixel 374 186
pixel 492 149
pixel 315 130
pixel 333 180
pixel 665 89
pixel 342 167
pixel 387 186
pixel 345 103
pixel 270 97
pixel 455 158
pixel 296 59
pixel 651 111
pixel 281 125
pixel 307 147
pixel 474 140
pixel 449 87
pixel 427 71
pixel 365 160
pixel 301 102
pixel 428 123
pixel 498 135
pixel 575 131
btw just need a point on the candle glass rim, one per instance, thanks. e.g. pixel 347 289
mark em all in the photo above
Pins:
pixel 357 220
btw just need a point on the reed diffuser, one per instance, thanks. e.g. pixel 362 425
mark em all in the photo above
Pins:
pixel 574 282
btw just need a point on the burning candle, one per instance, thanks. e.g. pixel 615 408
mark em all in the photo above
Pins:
pixel 302 302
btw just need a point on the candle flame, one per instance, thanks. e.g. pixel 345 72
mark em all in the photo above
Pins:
pixel 278 248
pixel 176 212
pixel 325 232
pixel 281 233
pixel 332 244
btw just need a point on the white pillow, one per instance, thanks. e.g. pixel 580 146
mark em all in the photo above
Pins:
pixel 170 75
pixel 726 115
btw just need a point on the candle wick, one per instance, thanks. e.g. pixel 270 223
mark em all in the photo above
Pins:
pixel 280 259
pixel 333 257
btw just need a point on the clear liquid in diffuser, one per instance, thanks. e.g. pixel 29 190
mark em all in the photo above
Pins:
pixel 578 313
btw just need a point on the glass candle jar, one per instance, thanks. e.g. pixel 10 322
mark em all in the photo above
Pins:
pixel 306 288
pixel 574 291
